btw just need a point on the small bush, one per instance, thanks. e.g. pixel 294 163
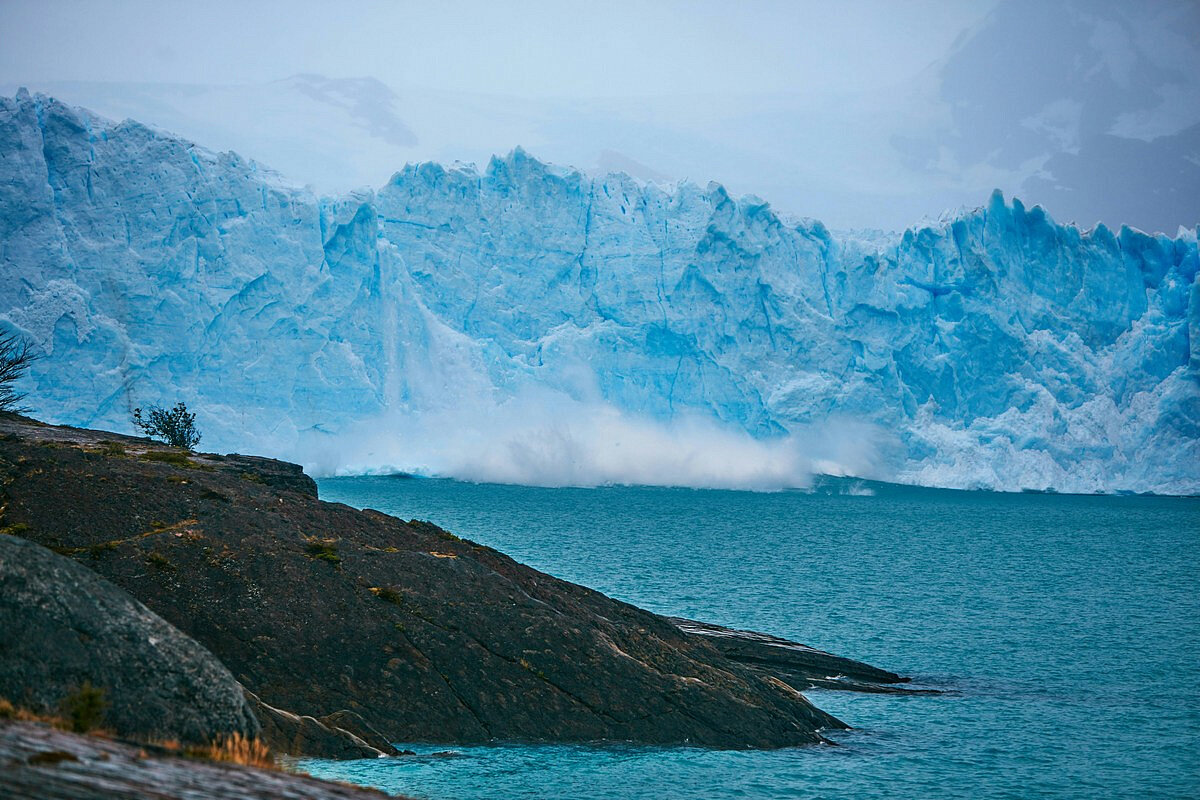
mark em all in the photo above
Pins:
pixel 158 560
pixel 175 426
pixel 168 457
pixel 323 549
pixel 388 594
pixel 85 708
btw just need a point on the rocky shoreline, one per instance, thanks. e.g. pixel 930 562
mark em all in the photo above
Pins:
pixel 338 631
pixel 801 666
pixel 39 762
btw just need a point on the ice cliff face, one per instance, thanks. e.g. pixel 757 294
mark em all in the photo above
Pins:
pixel 998 349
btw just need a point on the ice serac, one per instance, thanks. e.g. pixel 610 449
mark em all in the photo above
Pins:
pixel 994 349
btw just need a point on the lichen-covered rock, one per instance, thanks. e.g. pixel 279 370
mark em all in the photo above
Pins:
pixel 62 625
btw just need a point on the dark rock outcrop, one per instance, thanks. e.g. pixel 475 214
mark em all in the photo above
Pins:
pixel 286 732
pixel 281 475
pixel 798 664
pixel 354 724
pixel 62 625
pixel 317 607
pixel 40 763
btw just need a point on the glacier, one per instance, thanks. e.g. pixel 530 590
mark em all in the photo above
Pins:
pixel 531 323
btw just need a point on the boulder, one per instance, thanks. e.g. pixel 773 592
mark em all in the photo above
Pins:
pixel 63 626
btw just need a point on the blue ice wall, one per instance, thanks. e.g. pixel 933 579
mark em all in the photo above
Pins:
pixel 996 349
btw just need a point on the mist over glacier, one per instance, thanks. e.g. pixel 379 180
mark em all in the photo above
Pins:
pixel 533 324
pixel 544 438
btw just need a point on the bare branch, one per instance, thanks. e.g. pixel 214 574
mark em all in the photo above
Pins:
pixel 16 356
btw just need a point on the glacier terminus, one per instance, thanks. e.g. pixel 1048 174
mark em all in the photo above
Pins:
pixel 534 323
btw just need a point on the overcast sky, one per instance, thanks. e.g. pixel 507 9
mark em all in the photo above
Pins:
pixel 530 49
pixel 863 113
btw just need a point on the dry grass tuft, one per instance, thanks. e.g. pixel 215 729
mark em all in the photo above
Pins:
pixel 9 711
pixel 175 458
pixel 237 749
pixel 21 714
pixel 233 749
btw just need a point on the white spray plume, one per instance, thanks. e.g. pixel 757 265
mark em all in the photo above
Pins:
pixel 541 439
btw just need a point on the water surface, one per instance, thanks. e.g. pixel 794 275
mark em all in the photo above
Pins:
pixel 1066 627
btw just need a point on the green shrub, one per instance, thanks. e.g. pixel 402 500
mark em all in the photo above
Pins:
pixel 157 559
pixel 388 594
pixel 169 457
pixel 174 426
pixel 323 549
pixel 85 708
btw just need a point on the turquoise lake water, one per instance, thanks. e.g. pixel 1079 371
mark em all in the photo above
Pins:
pixel 1066 630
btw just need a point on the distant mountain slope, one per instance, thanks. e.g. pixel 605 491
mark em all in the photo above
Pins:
pixel 531 323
